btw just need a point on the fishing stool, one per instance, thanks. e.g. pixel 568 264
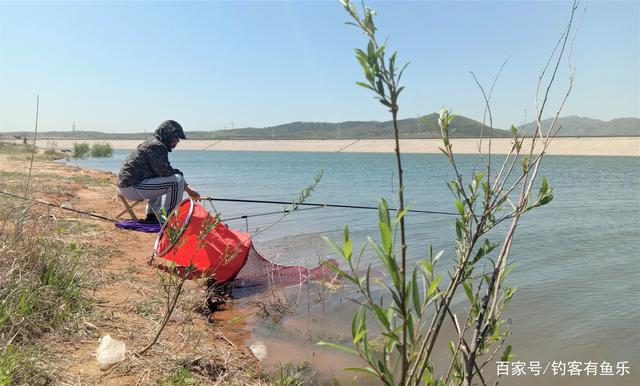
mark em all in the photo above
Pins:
pixel 128 206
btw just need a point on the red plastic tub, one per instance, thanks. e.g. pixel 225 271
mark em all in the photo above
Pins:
pixel 192 236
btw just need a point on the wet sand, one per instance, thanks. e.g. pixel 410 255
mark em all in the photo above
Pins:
pixel 587 146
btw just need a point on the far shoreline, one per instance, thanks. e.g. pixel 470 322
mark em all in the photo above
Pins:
pixel 579 146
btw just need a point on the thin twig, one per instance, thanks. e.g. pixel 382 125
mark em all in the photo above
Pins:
pixel 33 151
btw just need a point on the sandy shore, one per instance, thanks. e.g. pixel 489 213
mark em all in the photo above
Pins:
pixel 596 146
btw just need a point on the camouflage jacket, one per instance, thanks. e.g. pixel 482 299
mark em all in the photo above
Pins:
pixel 150 159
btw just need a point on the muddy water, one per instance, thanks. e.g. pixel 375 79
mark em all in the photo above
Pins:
pixel 575 260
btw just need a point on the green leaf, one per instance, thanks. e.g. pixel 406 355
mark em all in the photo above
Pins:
pixel 392 339
pixel 347 243
pixel 485 187
pixel 334 246
pixel 496 330
pixel 371 54
pixel 427 267
pixel 383 212
pixel 365 85
pixel 386 238
pixel 378 250
pixel 340 272
pixel 401 72
pixel 546 199
pixel 367 280
pixel 380 87
pixel 452 347
pixel 433 285
pixel 367 370
pixel 467 289
pixel 381 316
pixel 337 347
pixel 486 248
pixel 460 207
pixel 385 102
pixel 396 300
pixel 359 335
pixel 438 256
pixel 459 228
pixel 392 61
pixel 401 214
pixel 545 186
pixel 362 59
pixel 358 325
pixel 410 327
pixel 416 293
pixel 507 356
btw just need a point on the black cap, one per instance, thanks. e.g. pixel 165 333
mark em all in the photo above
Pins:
pixel 170 128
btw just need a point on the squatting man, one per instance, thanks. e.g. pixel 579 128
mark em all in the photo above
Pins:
pixel 146 173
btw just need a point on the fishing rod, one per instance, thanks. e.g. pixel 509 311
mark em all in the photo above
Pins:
pixel 321 205
pixel 58 206
pixel 312 205
pixel 266 214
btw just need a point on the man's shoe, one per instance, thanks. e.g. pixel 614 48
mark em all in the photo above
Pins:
pixel 150 219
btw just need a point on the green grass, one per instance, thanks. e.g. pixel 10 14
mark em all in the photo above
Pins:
pixel 25 151
pixel 11 175
pixel 10 148
pixel 91 181
pixel 19 366
pixel 46 268
pixel 293 374
pixel 182 377
pixel 40 183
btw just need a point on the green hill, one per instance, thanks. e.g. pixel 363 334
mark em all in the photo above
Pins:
pixel 423 127
pixel 575 126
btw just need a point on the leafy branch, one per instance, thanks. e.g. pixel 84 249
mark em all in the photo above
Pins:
pixel 414 306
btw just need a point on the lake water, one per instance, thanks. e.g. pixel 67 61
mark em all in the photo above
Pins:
pixel 576 260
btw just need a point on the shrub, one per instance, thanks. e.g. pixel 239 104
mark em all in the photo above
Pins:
pixel 103 149
pixel 81 150
pixel 51 154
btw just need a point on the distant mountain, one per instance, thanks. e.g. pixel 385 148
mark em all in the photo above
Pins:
pixel 575 126
pixel 423 127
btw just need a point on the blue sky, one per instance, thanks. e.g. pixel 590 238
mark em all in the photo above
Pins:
pixel 127 66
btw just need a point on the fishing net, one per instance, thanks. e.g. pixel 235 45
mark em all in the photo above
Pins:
pixel 258 274
pixel 193 237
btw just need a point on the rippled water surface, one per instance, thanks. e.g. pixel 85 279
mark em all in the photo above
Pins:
pixel 576 260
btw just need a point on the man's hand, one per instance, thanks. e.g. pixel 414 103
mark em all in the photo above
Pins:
pixel 192 193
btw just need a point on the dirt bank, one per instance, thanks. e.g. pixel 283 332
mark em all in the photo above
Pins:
pixel 127 299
